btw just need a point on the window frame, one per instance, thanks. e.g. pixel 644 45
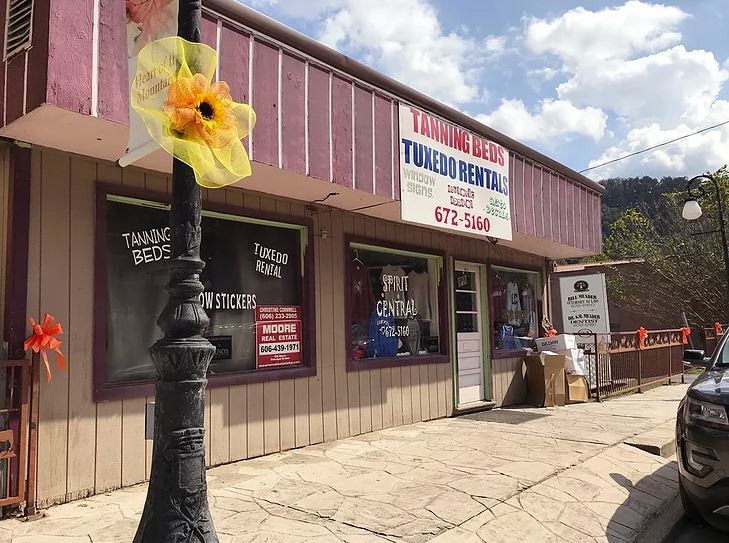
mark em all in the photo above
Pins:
pixel 514 353
pixel 443 319
pixel 105 391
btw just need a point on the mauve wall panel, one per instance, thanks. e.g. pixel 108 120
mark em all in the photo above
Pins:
pixel 572 217
pixel 15 89
pixel 70 54
pixel 395 153
pixel 363 140
pixel 519 220
pixel 538 199
pixel 293 114
pixel 234 64
pixel 512 190
pixel 342 131
pixel 114 101
pixel 529 198
pixel 587 241
pixel 383 147
pixel 581 219
pixel 265 102
pixel 564 210
pixel 209 31
pixel 556 207
pixel 319 120
pixel 3 8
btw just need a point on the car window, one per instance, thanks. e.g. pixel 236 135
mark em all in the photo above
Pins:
pixel 723 358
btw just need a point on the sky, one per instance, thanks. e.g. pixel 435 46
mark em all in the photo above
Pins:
pixel 583 82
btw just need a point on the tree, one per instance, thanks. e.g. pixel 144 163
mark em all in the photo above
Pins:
pixel 683 268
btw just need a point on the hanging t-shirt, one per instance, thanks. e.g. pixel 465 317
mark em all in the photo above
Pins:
pixel 383 341
pixel 363 300
pixel 513 303
pixel 498 295
pixel 413 336
pixel 527 299
pixel 419 293
pixel 394 289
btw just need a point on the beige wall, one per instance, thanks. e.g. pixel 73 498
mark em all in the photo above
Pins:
pixel 86 448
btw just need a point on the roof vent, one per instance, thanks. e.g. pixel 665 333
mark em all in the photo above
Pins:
pixel 18 27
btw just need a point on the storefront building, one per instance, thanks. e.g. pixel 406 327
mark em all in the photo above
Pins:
pixel 331 315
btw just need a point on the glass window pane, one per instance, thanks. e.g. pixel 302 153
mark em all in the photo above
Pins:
pixel 466 301
pixel 467 322
pixel 465 280
pixel 515 302
pixel 393 303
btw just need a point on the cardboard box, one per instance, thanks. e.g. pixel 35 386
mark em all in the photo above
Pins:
pixel 577 389
pixel 560 342
pixel 575 361
pixel 545 379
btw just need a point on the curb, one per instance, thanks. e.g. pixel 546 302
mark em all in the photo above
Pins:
pixel 659 527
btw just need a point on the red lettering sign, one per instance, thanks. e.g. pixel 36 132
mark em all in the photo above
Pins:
pixel 278 336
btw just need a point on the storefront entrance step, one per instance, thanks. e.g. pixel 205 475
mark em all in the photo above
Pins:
pixel 660 441
pixel 474 407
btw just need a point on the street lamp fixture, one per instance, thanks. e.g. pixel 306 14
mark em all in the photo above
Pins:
pixel 692 211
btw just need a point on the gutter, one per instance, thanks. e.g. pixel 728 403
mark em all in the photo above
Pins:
pixel 265 25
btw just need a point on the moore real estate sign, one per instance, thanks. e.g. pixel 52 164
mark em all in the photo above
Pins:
pixel 452 178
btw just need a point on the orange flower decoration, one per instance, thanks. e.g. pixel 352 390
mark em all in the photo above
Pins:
pixel 44 339
pixel 191 117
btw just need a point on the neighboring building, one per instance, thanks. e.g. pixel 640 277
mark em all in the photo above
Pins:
pixel 87 243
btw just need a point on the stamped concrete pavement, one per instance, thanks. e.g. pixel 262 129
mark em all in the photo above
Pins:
pixel 564 476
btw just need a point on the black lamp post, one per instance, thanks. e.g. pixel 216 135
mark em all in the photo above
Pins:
pixel 692 211
pixel 177 503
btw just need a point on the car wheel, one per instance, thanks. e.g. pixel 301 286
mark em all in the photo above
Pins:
pixel 689 509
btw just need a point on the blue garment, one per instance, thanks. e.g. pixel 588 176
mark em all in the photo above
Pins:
pixel 509 341
pixel 382 341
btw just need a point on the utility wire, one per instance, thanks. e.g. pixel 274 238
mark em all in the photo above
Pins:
pixel 674 140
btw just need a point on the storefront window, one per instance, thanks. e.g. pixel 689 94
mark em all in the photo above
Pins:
pixel 516 308
pixel 393 303
pixel 253 280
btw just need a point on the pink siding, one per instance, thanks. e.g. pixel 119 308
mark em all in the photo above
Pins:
pixel 114 101
pixel 265 102
pixel 319 152
pixel 234 64
pixel 342 131
pixel 209 31
pixel 293 114
pixel 14 100
pixel 383 148
pixel 70 52
pixel 519 220
pixel 557 207
pixel 538 199
pixel 529 198
pixel 363 142
pixel 395 153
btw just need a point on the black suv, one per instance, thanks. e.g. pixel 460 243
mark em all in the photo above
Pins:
pixel 702 439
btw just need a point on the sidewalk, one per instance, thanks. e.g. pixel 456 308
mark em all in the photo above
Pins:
pixel 503 476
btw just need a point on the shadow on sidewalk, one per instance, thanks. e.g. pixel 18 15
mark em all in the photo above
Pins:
pixel 647 497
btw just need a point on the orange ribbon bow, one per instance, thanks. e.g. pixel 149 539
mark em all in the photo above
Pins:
pixel 551 333
pixel 686 332
pixel 718 329
pixel 642 336
pixel 43 339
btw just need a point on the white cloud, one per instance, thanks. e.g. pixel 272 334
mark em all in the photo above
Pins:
pixel 583 38
pixel 663 87
pixel 690 156
pixel 494 45
pixel 554 119
pixel 404 38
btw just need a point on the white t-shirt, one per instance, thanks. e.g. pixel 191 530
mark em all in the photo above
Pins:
pixel 419 293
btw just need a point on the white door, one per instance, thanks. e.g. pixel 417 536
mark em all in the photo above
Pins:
pixel 469 334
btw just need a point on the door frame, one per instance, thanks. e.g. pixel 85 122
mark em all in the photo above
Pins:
pixel 485 327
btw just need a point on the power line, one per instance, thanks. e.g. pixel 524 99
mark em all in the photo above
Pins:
pixel 674 140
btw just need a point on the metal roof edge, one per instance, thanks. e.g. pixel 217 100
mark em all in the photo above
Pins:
pixel 280 32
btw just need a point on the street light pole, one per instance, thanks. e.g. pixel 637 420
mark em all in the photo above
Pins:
pixel 696 191
pixel 177 504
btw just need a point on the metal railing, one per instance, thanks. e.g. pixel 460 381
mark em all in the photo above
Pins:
pixel 619 363
pixel 15 380
pixel 712 339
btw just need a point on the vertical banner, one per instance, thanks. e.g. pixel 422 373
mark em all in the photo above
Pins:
pixel 147 21
pixel 278 336
pixel 452 178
